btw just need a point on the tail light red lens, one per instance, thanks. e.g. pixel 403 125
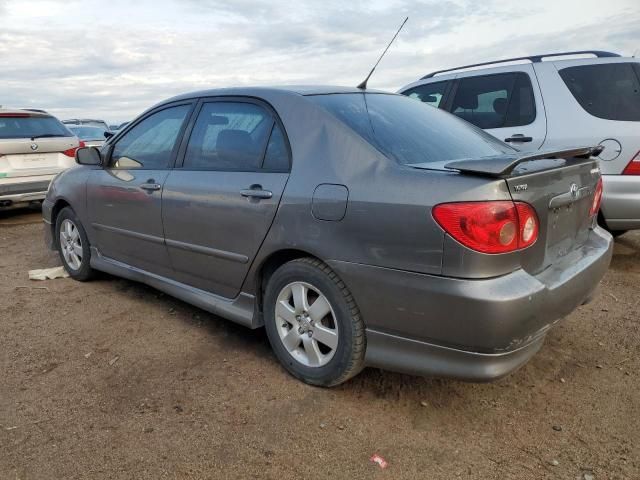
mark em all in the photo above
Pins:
pixel 633 167
pixel 489 227
pixel 72 151
pixel 597 199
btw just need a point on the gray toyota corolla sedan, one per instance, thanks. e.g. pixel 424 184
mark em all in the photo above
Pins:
pixel 359 228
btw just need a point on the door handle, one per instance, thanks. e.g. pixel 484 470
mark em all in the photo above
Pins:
pixel 256 191
pixel 518 137
pixel 150 186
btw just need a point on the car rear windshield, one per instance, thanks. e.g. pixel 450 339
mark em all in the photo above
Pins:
pixel 610 91
pixel 88 133
pixel 29 126
pixel 410 132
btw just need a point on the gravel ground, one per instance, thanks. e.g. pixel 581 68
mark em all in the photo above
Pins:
pixel 112 379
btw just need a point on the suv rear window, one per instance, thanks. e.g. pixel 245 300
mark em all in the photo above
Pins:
pixel 28 126
pixel 409 131
pixel 610 91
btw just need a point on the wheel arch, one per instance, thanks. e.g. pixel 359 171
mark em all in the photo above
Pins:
pixel 58 206
pixel 269 265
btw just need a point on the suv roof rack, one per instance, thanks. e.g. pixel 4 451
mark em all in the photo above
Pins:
pixel 532 58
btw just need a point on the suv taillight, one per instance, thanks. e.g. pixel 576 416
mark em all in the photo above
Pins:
pixel 500 226
pixel 597 199
pixel 633 167
pixel 72 151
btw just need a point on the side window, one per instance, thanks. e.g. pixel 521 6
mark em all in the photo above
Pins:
pixel 276 156
pixel 150 143
pixel 431 93
pixel 610 91
pixel 522 105
pixel 228 136
pixel 495 101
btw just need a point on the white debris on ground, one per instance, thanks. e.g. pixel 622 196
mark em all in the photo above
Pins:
pixel 48 273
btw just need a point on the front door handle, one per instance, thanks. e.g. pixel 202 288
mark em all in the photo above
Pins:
pixel 256 191
pixel 518 137
pixel 150 186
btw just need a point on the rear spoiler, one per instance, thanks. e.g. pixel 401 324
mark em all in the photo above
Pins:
pixel 503 166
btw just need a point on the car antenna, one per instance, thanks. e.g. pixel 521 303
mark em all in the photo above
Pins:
pixel 363 85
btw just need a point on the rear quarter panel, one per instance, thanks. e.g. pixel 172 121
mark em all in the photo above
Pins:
pixel 388 220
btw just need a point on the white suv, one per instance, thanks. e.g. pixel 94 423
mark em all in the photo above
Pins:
pixel 34 147
pixel 552 101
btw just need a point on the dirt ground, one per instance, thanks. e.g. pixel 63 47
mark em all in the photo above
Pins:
pixel 112 379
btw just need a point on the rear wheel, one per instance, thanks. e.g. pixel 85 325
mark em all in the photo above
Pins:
pixel 73 245
pixel 313 323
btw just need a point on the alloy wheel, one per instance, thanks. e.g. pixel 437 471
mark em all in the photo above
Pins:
pixel 71 244
pixel 306 324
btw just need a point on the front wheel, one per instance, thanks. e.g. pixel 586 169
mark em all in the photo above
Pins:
pixel 73 245
pixel 313 323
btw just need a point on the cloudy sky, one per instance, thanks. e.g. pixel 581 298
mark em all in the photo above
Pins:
pixel 112 59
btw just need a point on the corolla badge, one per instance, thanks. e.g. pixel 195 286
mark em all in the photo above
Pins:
pixel 34 146
pixel 573 189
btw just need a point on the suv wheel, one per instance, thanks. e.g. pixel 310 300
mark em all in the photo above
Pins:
pixel 313 323
pixel 73 245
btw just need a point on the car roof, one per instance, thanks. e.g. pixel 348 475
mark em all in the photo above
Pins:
pixel 257 91
pixel 577 57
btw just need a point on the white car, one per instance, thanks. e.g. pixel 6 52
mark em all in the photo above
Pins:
pixel 553 101
pixel 34 147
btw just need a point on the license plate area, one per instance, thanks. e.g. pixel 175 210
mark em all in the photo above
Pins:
pixel 567 228
pixel 35 161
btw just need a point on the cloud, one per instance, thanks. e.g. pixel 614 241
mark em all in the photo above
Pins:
pixel 84 60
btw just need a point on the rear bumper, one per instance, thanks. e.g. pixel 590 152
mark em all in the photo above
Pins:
pixel 18 190
pixel 476 330
pixel 621 201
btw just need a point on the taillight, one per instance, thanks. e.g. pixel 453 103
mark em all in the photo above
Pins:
pixel 489 227
pixel 597 199
pixel 72 151
pixel 633 167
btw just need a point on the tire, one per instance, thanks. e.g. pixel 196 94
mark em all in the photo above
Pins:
pixel 303 343
pixel 73 245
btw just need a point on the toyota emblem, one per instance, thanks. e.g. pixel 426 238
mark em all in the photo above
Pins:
pixel 573 189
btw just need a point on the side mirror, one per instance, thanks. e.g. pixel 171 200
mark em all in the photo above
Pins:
pixel 430 99
pixel 88 156
pixel 108 134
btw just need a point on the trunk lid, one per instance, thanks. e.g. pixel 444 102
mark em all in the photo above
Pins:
pixel 559 184
pixel 562 197
pixel 42 156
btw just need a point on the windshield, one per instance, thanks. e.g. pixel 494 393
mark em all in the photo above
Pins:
pixel 88 133
pixel 408 131
pixel 27 126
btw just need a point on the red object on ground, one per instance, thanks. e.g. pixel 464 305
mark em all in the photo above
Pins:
pixel 382 463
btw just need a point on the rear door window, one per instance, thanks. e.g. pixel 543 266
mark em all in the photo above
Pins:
pixel 230 136
pixel 610 91
pixel 495 101
pixel 430 93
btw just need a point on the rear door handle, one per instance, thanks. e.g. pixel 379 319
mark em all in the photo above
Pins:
pixel 256 192
pixel 150 186
pixel 518 137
